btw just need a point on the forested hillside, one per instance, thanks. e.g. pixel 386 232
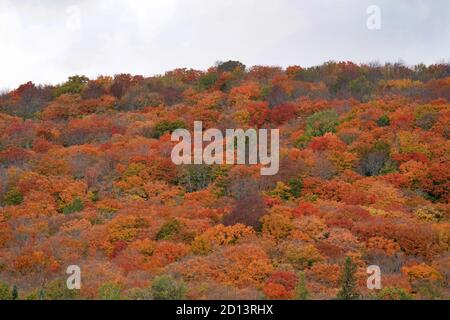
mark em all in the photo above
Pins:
pixel 86 179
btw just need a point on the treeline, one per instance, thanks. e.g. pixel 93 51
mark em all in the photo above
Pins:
pixel 328 81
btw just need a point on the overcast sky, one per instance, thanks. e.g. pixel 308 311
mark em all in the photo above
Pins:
pixel 45 41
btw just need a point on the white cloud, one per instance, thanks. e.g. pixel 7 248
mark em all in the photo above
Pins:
pixel 148 37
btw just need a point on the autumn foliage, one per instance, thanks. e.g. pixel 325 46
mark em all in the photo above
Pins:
pixel 86 179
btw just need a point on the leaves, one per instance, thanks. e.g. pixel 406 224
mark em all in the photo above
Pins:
pixel 86 178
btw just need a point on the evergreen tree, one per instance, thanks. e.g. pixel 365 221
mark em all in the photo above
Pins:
pixel 301 292
pixel 349 288
pixel 41 294
pixel 15 293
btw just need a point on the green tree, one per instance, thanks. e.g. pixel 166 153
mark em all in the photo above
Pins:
pixel 110 291
pixel 361 88
pixel 393 293
pixel 15 293
pixel 208 80
pixel 349 287
pixel 321 122
pixel 74 85
pixel 196 177
pixel 296 186
pixel 169 229
pixel 37 294
pixel 5 292
pixel 167 126
pixel 166 288
pixel 57 290
pixel 301 292
pixel 75 206
pixel 383 121
pixel 13 197
pixel 230 66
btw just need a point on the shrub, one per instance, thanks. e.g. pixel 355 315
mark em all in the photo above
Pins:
pixel 169 229
pixel 281 191
pixel 276 225
pixel 296 187
pixel 196 177
pixel 208 80
pixel 321 122
pixel 426 121
pixel 166 288
pixel 110 291
pixel 430 213
pixel 219 235
pixel 13 197
pixel 372 163
pixel 383 121
pixel 247 210
pixel 302 256
pixel 393 293
pixel 75 206
pixel 302 141
pixel 57 290
pixel 276 291
pixel 5 292
pixel 301 292
pixel 139 294
pixel 138 97
pixel 167 126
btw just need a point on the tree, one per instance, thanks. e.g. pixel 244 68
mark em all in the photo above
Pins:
pixel 75 206
pixel 166 288
pixel 220 235
pixel 57 290
pixel 296 186
pixel 110 291
pixel 282 113
pixel 165 126
pixel 301 256
pixel 169 229
pixel 208 80
pixel 393 293
pixel 321 122
pixel 74 85
pixel 383 121
pixel 27 100
pixel 15 293
pixel 349 287
pixel 5 292
pixel 247 210
pixel 196 177
pixel 277 226
pixel 138 97
pixel 301 292
pixel 230 66
pixel 372 163
pixel 13 197
pixel 273 290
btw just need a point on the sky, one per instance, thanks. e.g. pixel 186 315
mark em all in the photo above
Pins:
pixel 45 41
